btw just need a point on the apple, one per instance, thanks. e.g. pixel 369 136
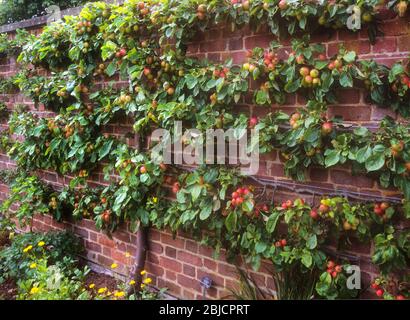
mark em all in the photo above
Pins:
pixel 347 226
pixel 143 170
pixel 282 5
pixel 384 206
pixel 253 122
pixel 338 268
pixel 375 286
pixel 308 79
pixel 123 52
pixel 246 66
pixel 314 73
pixel 400 297
pixel 323 208
pixel 379 292
pixel 314 215
pixel 300 59
pixel 175 187
pixel 283 242
pixel 202 8
pixel 235 195
pixel 304 71
pixel 330 264
pixel 327 127
pixel 245 5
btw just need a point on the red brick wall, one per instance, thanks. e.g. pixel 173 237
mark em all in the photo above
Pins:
pixel 180 263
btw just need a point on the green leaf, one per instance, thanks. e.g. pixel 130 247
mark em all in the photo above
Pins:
pixel 205 212
pixel 307 259
pixel 195 192
pixel 332 157
pixel 311 242
pixel 272 221
pixel 247 206
pixel 375 162
pixel 230 221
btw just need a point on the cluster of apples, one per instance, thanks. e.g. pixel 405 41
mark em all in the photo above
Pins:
pixel 220 73
pixel 380 208
pixel 333 269
pixel 380 291
pixel 310 77
pixel 239 196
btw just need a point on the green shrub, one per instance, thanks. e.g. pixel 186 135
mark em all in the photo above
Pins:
pixel 59 248
pixel 15 10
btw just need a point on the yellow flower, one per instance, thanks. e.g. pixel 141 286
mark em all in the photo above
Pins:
pixel 142 286
pixel 155 199
pixel 109 293
pixel 119 294
pixel 143 272
pixel 127 254
pixel 41 243
pixel 34 290
pixel 114 265
pixel 102 290
pixel 33 265
pixel 28 248
pixel 132 282
pixel 91 286
pixel 148 281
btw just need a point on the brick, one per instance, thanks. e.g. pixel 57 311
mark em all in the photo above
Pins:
pixel 177 243
pixel 106 241
pixel 317 174
pixel 189 258
pixel 170 264
pixel 235 43
pixel 350 113
pixel 189 270
pixel 188 282
pixel 346 178
pixel 262 41
pixel 93 246
pixel 154 268
pixel 384 44
pixel 191 246
pixel 403 43
pixel 227 270
pixel 155 247
pixel 170 252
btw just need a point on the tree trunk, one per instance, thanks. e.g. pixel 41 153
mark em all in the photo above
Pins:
pixel 140 258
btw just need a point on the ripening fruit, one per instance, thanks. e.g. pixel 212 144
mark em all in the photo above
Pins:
pixel 379 292
pixel 327 127
pixel 314 215
pixel 143 170
pixel 282 5
pixel 253 122
pixel 314 73
pixel 402 8
pixel 367 17
pixel 201 8
pixel 347 226
pixel 323 208
pixel 304 71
